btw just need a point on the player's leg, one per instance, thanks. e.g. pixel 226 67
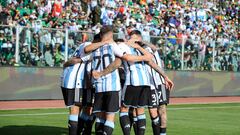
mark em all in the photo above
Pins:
pixel 133 119
pixel 129 99
pixel 109 124
pixel 153 111
pixel 86 120
pixel 69 99
pixel 112 103
pixel 124 120
pixel 144 100
pixel 162 110
pixel 141 121
pixel 90 118
pixel 73 120
pixel 131 115
pixel 99 125
pixel 86 115
pixel 155 120
pixel 81 114
pixel 163 114
pixel 78 103
pixel 81 121
pixel 98 111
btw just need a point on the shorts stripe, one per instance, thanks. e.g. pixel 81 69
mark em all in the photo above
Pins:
pixel 77 95
pixel 164 92
pixel 123 92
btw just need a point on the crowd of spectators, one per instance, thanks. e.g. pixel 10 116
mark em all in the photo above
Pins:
pixel 200 28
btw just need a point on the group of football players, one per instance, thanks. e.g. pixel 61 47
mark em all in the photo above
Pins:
pixel 105 77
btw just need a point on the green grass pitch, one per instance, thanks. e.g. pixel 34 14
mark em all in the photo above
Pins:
pixel 207 119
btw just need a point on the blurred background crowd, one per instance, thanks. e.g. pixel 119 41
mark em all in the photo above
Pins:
pixel 191 34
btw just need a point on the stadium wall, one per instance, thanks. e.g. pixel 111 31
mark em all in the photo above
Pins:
pixel 29 83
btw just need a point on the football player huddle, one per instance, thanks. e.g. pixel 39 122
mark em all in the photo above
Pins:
pixel 105 77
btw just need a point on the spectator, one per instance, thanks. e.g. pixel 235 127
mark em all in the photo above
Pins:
pixel 57 8
pixel 217 23
pixel 24 55
pixel 57 39
pixel 7 45
pixel 2 39
pixel 201 53
pixel 58 58
pixel 48 56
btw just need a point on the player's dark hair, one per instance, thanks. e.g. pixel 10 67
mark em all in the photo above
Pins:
pixel 119 40
pixel 96 38
pixel 105 29
pixel 135 32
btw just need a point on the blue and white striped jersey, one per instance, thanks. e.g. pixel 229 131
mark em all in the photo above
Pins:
pixel 155 78
pixel 102 57
pixel 73 76
pixel 135 72
pixel 69 76
pixel 159 62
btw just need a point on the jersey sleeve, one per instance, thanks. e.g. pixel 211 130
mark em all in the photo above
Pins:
pixel 118 51
pixel 76 53
pixel 81 51
pixel 85 56
pixel 123 47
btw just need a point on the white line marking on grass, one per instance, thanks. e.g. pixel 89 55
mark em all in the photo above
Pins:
pixel 61 113
pixel 32 114
pixel 198 108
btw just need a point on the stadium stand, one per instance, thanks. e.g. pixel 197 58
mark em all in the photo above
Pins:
pixel 208 30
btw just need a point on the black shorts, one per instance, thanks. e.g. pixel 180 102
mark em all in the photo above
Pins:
pixel 137 96
pixel 163 94
pixel 72 96
pixel 88 97
pixel 154 98
pixel 108 102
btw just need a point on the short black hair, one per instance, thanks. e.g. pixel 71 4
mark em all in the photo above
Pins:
pixel 97 38
pixel 135 32
pixel 105 29
pixel 119 40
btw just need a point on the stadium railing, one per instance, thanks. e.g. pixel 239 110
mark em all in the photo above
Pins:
pixel 48 47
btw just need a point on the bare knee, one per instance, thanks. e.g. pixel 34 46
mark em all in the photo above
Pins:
pixel 74 110
pixel 110 117
pixel 153 112
pixel 124 109
pixel 139 111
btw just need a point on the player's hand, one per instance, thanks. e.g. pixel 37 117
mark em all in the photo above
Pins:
pixel 149 57
pixel 169 84
pixel 96 74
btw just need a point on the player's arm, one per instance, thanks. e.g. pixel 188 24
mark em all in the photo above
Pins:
pixel 169 83
pixel 97 45
pixel 134 58
pixel 93 47
pixel 110 68
pixel 72 61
